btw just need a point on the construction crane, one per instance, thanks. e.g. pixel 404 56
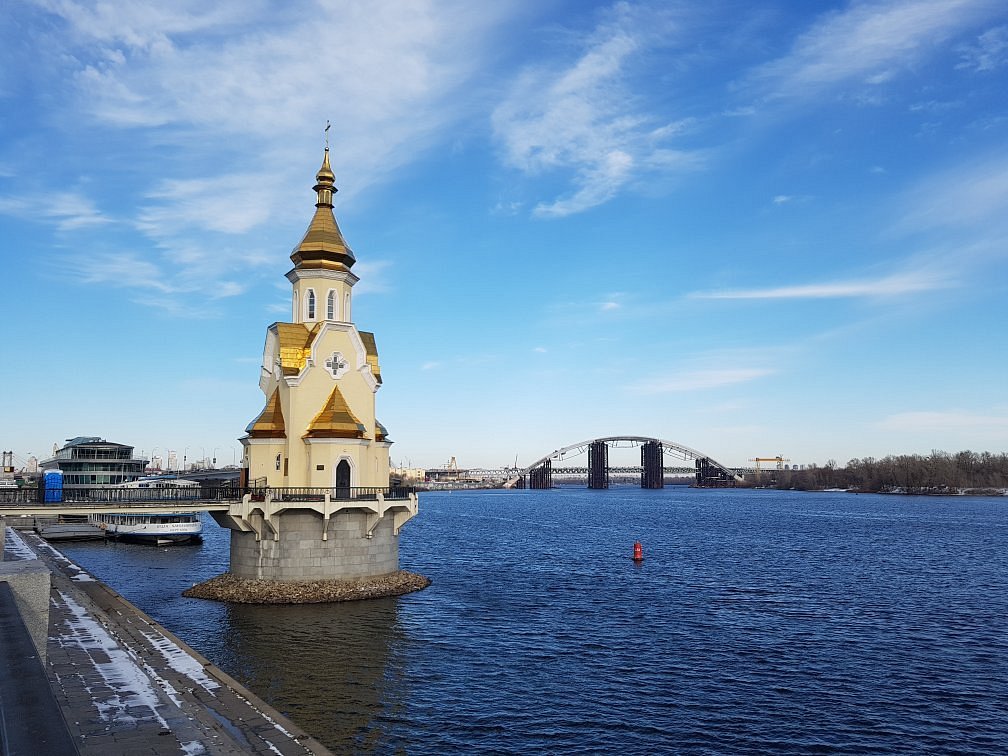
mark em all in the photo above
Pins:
pixel 779 460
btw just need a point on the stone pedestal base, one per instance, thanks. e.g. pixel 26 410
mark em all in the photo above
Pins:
pixel 297 551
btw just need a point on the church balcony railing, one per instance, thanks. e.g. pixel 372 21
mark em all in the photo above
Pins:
pixel 338 493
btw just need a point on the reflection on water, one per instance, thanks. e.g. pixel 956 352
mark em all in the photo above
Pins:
pixel 323 665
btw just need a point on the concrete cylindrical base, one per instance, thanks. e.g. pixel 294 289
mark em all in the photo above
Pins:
pixel 301 554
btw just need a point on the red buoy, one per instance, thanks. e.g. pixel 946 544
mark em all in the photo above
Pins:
pixel 638 552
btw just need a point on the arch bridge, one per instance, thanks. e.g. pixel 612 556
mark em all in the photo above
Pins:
pixel 709 472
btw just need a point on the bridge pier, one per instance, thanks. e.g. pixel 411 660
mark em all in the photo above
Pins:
pixel 653 462
pixel 598 465
pixel 541 477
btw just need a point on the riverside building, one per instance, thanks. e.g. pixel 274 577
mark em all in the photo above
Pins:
pixel 317 431
pixel 93 461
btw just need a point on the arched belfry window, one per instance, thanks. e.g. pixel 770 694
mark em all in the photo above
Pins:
pixel 331 305
pixel 310 304
pixel 346 307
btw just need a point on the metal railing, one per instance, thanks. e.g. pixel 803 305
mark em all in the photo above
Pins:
pixel 191 494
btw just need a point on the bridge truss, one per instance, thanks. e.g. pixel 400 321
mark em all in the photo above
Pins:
pixel 708 471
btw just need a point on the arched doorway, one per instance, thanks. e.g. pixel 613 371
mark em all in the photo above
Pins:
pixel 343 480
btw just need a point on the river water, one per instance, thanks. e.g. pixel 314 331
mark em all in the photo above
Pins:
pixel 759 621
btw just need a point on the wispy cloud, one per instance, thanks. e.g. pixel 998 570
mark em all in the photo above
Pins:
pixel 581 118
pixel 988 53
pixel 126 270
pixel 972 194
pixel 953 421
pixel 888 286
pixel 868 43
pixel 221 90
pixel 70 211
pixel 700 380
pixel 373 276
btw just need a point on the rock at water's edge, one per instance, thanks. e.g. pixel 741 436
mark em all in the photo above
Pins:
pixel 237 590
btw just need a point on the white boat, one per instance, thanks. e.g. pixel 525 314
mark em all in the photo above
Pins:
pixel 160 528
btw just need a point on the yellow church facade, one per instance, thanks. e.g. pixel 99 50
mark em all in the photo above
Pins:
pixel 319 374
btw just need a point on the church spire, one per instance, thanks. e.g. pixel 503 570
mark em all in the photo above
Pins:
pixel 323 245
pixel 325 183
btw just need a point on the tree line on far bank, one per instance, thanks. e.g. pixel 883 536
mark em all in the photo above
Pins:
pixel 938 472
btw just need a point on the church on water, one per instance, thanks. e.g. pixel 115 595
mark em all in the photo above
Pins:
pixel 319 373
pixel 316 458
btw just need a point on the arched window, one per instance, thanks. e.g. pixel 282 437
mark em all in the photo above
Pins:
pixel 346 307
pixel 331 305
pixel 310 304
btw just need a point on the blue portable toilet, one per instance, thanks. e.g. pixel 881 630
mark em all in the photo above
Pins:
pixel 52 483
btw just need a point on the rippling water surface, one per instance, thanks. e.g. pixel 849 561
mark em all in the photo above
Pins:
pixel 759 621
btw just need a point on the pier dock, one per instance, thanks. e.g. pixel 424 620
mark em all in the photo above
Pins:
pixel 126 685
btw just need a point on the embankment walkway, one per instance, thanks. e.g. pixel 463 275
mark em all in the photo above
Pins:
pixel 126 685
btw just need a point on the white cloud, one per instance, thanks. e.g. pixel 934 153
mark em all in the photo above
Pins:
pixel 868 43
pixel 235 96
pixel 127 270
pixel 989 53
pixel 971 195
pixel 889 286
pixel 699 380
pixel 231 203
pixel 373 276
pixel 72 211
pixel 583 118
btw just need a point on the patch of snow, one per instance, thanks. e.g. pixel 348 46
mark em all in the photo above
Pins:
pixel 57 555
pixel 13 544
pixel 193 749
pixel 83 577
pixel 182 662
pixel 166 686
pixel 129 685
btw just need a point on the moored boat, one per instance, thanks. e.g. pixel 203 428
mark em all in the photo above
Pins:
pixel 160 528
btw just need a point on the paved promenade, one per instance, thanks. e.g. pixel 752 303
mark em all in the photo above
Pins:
pixel 126 685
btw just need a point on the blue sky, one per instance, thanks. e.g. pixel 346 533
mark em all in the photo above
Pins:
pixel 751 228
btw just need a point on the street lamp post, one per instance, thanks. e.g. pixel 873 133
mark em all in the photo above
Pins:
pixel 215 456
pixel 185 456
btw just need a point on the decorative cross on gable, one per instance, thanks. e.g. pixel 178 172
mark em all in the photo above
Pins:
pixel 336 365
